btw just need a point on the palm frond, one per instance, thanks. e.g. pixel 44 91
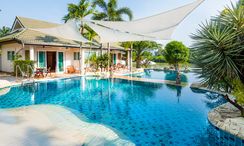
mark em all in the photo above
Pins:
pixel 125 11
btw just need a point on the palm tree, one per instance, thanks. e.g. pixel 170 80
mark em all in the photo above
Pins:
pixel 90 35
pixel 4 31
pixel 110 11
pixel 79 11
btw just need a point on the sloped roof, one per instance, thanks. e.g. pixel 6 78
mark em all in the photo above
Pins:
pixel 32 37
pixel 28 36
pixel 34 23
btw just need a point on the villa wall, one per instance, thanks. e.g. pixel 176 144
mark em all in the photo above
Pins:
pixel 7 65
pixel 68 55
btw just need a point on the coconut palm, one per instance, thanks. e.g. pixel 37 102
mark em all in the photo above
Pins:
pixel 79 11
pixel 110 11
pixel 90 35
pixel 4 31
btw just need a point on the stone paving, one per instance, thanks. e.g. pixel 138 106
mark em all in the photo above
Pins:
pixel 50 125
pixel 226 117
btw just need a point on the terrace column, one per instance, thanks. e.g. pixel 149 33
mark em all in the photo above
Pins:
pixel 32 53
pixel 32 56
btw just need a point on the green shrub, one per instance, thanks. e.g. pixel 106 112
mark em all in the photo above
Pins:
pixel 23 64
pixel 238 91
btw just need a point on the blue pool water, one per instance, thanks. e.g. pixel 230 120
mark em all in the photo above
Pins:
pixel 145 113
pixel 190 77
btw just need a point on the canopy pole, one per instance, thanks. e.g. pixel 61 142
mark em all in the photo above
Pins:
pixel 131 48
pixel 109 60
pixel 80 62
pixel 81 53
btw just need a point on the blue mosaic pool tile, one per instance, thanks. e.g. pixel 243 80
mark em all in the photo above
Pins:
pixel 145 113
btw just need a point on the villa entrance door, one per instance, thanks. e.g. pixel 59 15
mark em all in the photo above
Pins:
pixel 51 61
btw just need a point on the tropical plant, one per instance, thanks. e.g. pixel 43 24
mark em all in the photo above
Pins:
pixel 218 49
pixel 159 55
pixel 238 92
pixel 4 31
pixel 100 61
pixel 110 11
pixel 147 58
pixel 141 50
pixel 176 53
pixel 93 61
pixel 90 35
pixel 23 64
pixel 79 11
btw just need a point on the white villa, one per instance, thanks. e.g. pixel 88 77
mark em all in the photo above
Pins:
pixel 48 51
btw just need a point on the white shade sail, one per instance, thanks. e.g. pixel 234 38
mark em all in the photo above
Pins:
pixel 67 31
pixel 111 36
pixel 160 26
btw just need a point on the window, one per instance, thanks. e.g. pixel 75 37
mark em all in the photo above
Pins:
pixel 11 55
pixel 76 55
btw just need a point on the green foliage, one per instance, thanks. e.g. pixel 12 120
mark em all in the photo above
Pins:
pixel 100 61
pixel 89 34
pixel 159 56
pixel 17 56
pixel 176 53
pixel 218 49
pixel 147 57
pixel 141 49
pixel 110 11
pixel 238 91
pixel 23 64
pixel 103 60
pixel 79 11
pixel 4 31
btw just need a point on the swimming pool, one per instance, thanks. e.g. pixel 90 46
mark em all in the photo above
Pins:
pixel 145 113
pixel 189 77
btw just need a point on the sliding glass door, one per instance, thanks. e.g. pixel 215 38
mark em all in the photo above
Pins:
pixel 42 59
pixel 60 61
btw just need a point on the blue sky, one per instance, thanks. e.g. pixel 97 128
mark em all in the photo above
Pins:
pixel 54 10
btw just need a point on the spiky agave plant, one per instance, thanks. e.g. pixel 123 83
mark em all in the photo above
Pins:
pixel 218 49
pixel 217 53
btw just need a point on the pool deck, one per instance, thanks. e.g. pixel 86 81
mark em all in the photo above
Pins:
pixel 51 125
pixel 227 118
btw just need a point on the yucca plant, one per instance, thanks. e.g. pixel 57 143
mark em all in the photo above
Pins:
pixel 219 50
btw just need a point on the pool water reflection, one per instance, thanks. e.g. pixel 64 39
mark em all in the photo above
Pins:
pixel 189 77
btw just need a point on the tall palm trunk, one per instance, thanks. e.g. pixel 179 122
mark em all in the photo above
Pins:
pixel 138 63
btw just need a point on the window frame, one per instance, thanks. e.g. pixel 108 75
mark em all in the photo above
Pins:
pixel 10 55
pixel 76 56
